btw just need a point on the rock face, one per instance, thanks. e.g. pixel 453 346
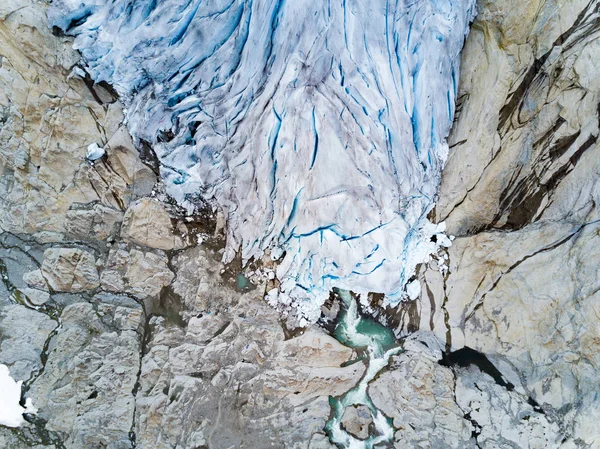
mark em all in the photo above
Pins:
pixel 142 274
pixel 129 332
pixel 25 331
pixel 230 373
pixel 86 390
pixel 70 270
pixel 48 120
pixel 357 420
pixel 147 223
pixel 419 395
pixel 529 97
pixel 520 191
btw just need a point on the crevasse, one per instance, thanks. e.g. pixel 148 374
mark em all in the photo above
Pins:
pixel 318 126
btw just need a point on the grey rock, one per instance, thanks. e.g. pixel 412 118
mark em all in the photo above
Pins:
pixel 35 279
pixel 10 439
pixel 142 274
pixel 92 222
pixel 212 366
pixel 147 223
pixel 70 269
pixel 419 395
pixel 86 390
pixel 36 297
pixel 501 417
pixel 23 333
pixel 356 421
pixel 48 120
pixel 520 189
pixel 231 371
pixel 524 142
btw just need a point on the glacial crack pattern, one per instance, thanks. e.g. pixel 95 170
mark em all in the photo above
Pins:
pixel 318 127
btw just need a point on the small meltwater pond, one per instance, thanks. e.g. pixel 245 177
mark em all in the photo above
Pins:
pixel 379 344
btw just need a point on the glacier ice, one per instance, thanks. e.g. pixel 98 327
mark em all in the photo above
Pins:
pixel 318 127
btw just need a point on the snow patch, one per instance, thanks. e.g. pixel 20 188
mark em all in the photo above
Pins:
pixel 413 289
pixel 11 411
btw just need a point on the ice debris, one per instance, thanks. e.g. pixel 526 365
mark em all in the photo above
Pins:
pixel 94 152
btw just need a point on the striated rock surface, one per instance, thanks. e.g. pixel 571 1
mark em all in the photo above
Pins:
pixel 520 191
pixel 86 390
pixel 48 120
pixel 24 332
pixel 524 141
pixel 419 395
pixel 70 270
pixel 219 370
pixel 140 273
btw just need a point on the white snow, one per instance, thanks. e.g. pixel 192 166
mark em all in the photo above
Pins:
pixel 413 289
pixel 77 71
pixel 11 412
pixel 94 152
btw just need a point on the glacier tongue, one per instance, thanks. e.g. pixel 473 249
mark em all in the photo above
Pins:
pixel 317 126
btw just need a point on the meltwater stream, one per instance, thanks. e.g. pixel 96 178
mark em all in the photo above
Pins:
pixel 379 344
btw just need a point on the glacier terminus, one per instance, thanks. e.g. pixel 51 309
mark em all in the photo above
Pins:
pixel 317 127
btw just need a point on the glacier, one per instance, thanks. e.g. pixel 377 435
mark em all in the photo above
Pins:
pixel 318 127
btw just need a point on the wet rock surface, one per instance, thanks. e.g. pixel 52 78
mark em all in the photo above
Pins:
pixel 128 331
pixel 356 420
pixel 419 395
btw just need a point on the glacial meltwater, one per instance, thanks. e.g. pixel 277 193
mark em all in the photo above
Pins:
pixel 379 344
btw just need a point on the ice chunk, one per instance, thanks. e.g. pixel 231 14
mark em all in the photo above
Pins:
pixel 94 152
pixel 413 289
pixel 77 71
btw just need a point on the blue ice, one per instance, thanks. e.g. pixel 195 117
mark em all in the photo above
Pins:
pixel 318 127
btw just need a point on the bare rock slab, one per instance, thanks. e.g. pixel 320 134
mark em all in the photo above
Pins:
pixel 70 270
